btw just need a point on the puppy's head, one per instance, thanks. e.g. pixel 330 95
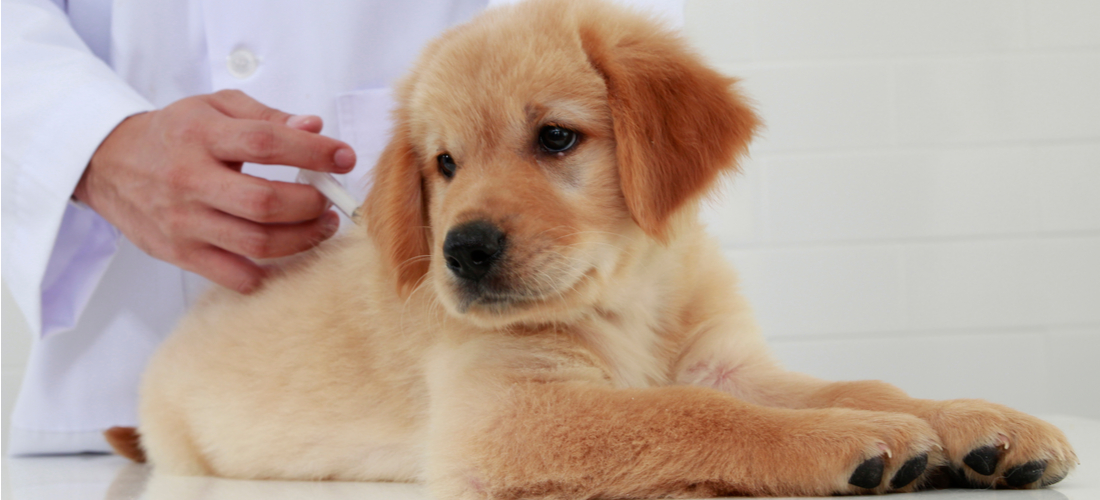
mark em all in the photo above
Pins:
pixel 536 146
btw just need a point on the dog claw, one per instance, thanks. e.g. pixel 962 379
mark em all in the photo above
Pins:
pixel 982 460
pixel 1025 474
pixel 910 471
pixel 869 473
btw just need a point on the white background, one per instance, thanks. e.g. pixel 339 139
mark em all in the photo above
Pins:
pixel 924 206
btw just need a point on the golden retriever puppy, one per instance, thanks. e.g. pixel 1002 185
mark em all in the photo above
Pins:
pixel 529 307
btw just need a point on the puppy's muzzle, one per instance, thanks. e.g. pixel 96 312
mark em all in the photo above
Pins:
pixel 472 249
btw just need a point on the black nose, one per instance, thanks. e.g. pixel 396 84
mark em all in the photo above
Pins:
pixel 471 249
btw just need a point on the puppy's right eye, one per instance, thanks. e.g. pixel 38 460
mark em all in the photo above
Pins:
pixel 555 139
pixel 447 165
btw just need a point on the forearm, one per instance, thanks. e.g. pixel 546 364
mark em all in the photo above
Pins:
pixel 574 440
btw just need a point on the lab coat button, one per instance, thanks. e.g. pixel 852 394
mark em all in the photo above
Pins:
pixel 242 63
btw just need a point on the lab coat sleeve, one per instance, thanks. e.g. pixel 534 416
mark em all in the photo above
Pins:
pixel 60 102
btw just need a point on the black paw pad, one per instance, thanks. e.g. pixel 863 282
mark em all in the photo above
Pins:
pixel 910 471
pixel 1025 474
pixel 983 460
pixel 868 474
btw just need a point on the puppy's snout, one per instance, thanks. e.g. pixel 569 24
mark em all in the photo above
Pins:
pixel 472 248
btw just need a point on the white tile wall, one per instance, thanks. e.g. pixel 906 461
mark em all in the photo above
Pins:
pixel 999 98
pixel 1063 23
pixel 1069 281
pixel 827 290
pixel 901 194
pixel 924 205
pixel 940 366
pixel 1067 180
pixel 1072 366
pixel 801 29
pixel 973 284
pixel 814 106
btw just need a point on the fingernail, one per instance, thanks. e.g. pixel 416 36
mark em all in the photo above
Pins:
pixel 299 121
pixel 331 223
pixel 344 159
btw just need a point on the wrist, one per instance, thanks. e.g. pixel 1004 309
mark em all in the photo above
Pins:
pixel 83 192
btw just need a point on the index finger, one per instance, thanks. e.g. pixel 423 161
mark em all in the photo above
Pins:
pixel 268 143
pixel 236 104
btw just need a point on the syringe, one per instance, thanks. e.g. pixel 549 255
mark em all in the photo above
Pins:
pixel 331 188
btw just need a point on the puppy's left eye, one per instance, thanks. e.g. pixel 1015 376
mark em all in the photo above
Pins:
pixel 555 139
pixel 447 165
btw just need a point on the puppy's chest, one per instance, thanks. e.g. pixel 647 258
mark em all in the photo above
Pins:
pixel 631 346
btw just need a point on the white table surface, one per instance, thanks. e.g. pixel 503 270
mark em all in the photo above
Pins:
pixel 109 477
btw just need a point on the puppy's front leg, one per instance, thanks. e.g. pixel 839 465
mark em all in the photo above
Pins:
pixel 517 418
pixel 986 444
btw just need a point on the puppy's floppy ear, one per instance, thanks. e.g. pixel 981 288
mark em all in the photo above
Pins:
pixel 678 124
pixel 396 208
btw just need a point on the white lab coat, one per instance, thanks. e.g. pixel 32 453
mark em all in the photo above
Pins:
pixel 99 305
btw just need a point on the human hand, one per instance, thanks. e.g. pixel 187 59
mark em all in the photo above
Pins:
pixel 171 181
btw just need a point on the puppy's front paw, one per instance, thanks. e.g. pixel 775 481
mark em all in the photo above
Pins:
pixel 872 452
pixel 990 445
pixel 906 450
